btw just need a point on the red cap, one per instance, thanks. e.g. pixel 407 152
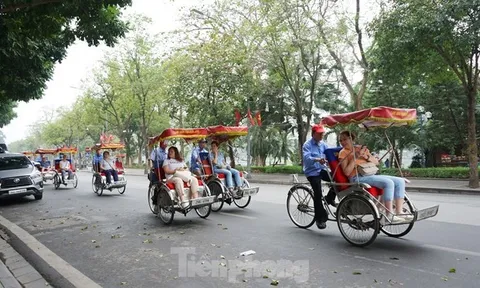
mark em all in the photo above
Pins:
pixel 318 128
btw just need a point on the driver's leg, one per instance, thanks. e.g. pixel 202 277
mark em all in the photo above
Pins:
pixel 330 198
pixel 321 215
pixel 63 176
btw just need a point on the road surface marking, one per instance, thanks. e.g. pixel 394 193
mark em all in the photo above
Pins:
pixel 459 251
pixel 240 216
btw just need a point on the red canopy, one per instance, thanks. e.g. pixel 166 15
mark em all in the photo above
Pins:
pixel 188 134
pixel 112 146
pixel 373 117
pixel 66 149
pixel 45 151
pixel 224 133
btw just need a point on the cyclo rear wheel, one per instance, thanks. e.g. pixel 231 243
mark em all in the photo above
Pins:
pixel 357 215
pixel 300 206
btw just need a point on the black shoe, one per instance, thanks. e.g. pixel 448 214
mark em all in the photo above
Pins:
pixel 331 202
pixel 321 225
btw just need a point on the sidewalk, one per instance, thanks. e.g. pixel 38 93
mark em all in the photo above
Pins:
pixel 449 186
pixel 15 271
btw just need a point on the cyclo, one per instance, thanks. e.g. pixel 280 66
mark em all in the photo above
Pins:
pixel 216 182
pixel 57 179
pixel 48 173
pixel 167 201
pixel 99 178
pixel 360 210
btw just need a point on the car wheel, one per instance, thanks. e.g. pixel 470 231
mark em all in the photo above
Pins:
pixel 38 197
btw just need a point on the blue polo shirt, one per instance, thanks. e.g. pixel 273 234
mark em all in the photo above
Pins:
pixel 312 150
pixel 158 155
pixel 196 155
pixel 97 159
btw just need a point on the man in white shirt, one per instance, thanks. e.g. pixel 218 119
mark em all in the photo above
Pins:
pixel 65 168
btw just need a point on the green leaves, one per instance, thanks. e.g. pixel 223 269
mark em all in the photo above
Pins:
pixel 34 39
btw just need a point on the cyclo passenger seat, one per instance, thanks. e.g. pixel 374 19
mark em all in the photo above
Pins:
pixel 206 164
pixel 339 177
pixel 161 175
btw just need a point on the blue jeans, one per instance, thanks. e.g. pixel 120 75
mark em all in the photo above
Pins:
pixel 393 187
pixel 228 176
pixel 109 173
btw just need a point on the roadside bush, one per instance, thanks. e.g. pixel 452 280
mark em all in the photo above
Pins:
pixel 439 172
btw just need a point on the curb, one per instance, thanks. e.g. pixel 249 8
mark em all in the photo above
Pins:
pixel 57 271
pixel 432 190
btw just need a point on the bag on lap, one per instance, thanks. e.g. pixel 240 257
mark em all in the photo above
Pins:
pixel 184 175
pixel 367 169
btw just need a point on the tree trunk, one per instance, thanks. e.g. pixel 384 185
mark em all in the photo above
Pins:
pixel 230 154
pixel 302 137
pixel 472 139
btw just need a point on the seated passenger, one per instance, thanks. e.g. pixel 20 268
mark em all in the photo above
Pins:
pixel 393 187
pixel 220 166
pixel 45 164
pixel 108 166
pixel 195 161
pixel 65 168
pixel 176 172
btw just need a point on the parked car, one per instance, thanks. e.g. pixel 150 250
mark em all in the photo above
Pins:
pixel 19 176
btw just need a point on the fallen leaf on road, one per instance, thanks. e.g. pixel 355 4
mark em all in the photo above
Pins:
pixel 148 241
pixel 311 248
pixel 84 228
pixel 224 228
pixel 244 270
pixel 123 283
pixel 221 256
pixel 265 276
pixel 94 241
pixel 394 258
pixel 357 273
pixel 181 232
pixel 274 283
pixel 335 272
pixel 223 264
pixel 119 227
pixel 97 246
pixel 445 278
pixel 268 270
pixel 245 280
pixel 452 270
pixel 219 224
pixel 375 280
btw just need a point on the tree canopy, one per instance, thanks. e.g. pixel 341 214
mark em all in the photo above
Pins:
pixel 35 35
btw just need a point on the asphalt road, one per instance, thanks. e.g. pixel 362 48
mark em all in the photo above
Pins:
pixel 117 242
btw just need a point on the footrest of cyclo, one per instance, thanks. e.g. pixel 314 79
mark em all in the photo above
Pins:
pixel 426 213
pixel 250 191
pixel 202 201
pixel 118 184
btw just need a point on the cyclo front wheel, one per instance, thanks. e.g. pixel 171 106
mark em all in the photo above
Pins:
pixel 357 220
pixel 204 211
pixel 300 206
pixel 166 209
pixel 399 230
pixel 244 201
pixel 216 190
